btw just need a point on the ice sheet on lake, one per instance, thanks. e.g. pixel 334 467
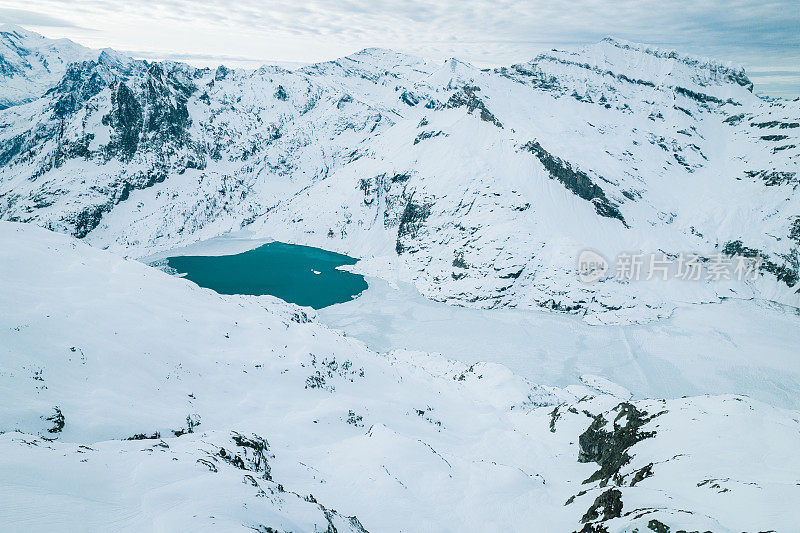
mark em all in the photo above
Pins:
pixel 742 347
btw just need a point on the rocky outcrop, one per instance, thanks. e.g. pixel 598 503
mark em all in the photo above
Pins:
pixel 608 446
pixel 467 97
pixel 577 181
pixel 411 222
pixel 126 120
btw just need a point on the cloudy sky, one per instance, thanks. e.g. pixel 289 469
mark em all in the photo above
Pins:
pixel 762 35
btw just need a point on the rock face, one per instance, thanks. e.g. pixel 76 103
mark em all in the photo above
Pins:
pixel 576 181
pixel 481 187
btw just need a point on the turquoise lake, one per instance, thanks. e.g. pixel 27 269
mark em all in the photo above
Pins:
pixel 298 274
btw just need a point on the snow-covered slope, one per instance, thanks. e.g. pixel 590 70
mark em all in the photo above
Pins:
pixel 133 400
pixel 30 64
pixel 479 186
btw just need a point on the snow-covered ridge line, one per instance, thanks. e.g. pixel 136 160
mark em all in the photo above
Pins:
pixel 30 64
pixel 21 43
pixel 727 71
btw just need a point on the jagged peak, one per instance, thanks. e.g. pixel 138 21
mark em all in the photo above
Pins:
pixel 375 57
pixel 653 66
pixel 110 56
pixel 452 73
pixel 455 64
pixel 14 28
pixel 383 54
pixel 32 37
pixel 671 53
pixel 19 40
pixel 373 63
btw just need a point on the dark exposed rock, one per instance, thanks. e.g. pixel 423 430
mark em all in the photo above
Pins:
pixel 554 305
pixel 354 419
pixel 167 116
pixel 192 421
pixel 365 184
pixel 699 97
pixel 774 177
pixel 554 416
pixel 126 120
pixel 327 370
pixel 532 75
pixel 576 181
pixel 608 503
pixel 409 98
pixel 609 449
pixel 251 453
pixel 346 99
pixel 734 120
pixel 221 73
pixel 80 83
pixel 467 97
pixel 719 71
pixel 13 147
pixel 775 124
pixel 512 275
pixel 427 135
pixel 774 137
pixel 300 317
pixel 143 436
pixel 87 219
pixel 658 527
pixel 148 114
pixel 794 231
pixel 738 248
pixel 58 420
pixel 280 93
pixel 643 473
pixel 458 260
pixel 784 147
pixel 411 221
pixel 683 110
pixel 768 124
pixel 788 272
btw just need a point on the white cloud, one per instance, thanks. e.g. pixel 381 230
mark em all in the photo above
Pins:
pixel 762 34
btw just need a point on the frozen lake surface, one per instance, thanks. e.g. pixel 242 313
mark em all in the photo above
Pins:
pixel 737 346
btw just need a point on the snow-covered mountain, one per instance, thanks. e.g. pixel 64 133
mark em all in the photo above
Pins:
pixel 480 186
pixel 30 64
pixel 183 410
